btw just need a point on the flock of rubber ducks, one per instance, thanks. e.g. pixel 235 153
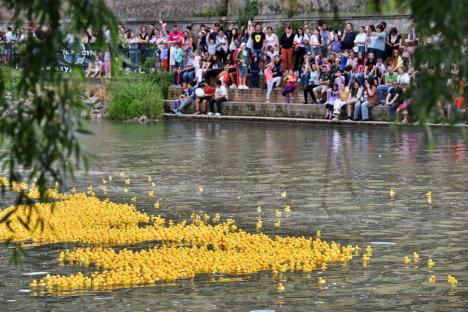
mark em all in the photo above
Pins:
pixel 204 244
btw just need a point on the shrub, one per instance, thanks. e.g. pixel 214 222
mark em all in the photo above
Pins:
pixel 161 79
pixel 134 99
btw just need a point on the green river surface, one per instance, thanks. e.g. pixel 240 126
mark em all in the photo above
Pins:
pixel 338 180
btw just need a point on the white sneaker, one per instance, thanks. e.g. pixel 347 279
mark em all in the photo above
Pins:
pixel 245 87
pixel 217 114
pixel 210 114
pixel 233 86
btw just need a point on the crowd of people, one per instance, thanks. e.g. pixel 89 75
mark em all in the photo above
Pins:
pixel 343 69
pixel 348 70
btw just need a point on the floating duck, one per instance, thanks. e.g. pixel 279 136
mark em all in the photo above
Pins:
pixel 259 209
pixel 104 181
pixel 153 184
pixel 287 209
pixel 33 284
pixel 432 279
pixel 125 190
pixel 73 190
pixel 122 174
pixel 104 190
pixel 277 213
pixel 149 179
pixel 406 259
pixel 280 287
pixel 415 256
pixel 151 193
pixel 452 280
pixel 318 234
pixel 321 280
pixel 156 205
pixel 134 199
pixel 200 189
pixel 259 224
pixel 392 193
pixel 365 260
pixel 430 263
pixel 128 181
pixel 109 178
pixel 369 250
pixel 278 223
pixel 284 194
pixel 429 197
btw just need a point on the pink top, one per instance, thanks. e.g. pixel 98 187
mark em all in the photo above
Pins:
pixel 268 74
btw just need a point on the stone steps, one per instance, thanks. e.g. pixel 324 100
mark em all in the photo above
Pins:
pixel 279 110
pixel 249 95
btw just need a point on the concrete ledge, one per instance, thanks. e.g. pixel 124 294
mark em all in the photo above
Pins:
pixel 276 110
pixel 191 117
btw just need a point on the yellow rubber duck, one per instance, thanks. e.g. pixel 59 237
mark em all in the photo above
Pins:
pixel 156 205
pixel 104 181
pixel 134 199
pixel 278 223
pixel 430 263
pixel 149 178
pixel 259 209
pixel 125 190
pixel 259 224
pixel 33 284
pixel 432 279
pixel 200 189
pixel 280 287
pixel 392 193
pixel 406 259
pixel 318 234
pixel 151 193
pixel 452 280
pixel 415 256
pixel 284 194
pixel 128 181
pixel 429 197
pixel 109 178
pixel 321 280
pixel 153 184
pixel 277 213
pixel 287 209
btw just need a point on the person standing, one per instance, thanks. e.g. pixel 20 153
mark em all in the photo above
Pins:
pixel 324 37
pixel 258 44
pixel 286 45
pixel 348 37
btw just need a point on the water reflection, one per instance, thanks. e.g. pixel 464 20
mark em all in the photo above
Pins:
pixel 337 181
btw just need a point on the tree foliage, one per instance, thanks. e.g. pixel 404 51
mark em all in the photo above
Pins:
pixel 38 134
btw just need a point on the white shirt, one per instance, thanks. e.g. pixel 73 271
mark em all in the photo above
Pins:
pixel 298 39
pixel 361 39
pixel 221 92
pixel 314 40
pixel 10 36
pixel 271 40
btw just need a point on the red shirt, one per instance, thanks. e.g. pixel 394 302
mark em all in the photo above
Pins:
pixel 176 36
pixel 208 91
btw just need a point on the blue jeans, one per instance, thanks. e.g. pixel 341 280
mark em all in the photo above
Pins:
pixel 361 110
pixel 381 91
pixel 188 76
pixel 255 79
pixel 305 79
pixel 186 103
pixel 358 76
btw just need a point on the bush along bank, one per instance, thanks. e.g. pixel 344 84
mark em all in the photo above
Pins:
pixel 140 98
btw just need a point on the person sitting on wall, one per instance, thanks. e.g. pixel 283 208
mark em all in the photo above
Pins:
pixel 188 99
pixel 95 69
pixel 220 96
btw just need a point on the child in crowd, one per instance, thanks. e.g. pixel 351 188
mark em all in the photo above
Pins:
pixel 255 71
pixel 287 92
pixel 165 57
pixel 332 96
pixel 340 102
pixel 242 59
pixel 107 63
pixel 95 69
pixel 270 80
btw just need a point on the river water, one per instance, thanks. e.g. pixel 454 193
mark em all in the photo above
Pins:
pixel 337 179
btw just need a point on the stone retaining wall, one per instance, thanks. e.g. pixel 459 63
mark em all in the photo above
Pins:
pixel 277 110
